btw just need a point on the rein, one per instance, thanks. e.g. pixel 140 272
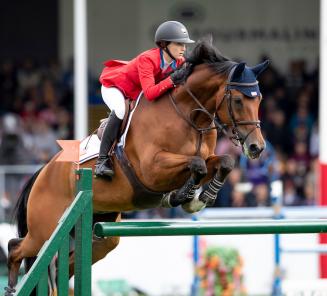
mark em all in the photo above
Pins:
pixel 200 131
pixel 237 138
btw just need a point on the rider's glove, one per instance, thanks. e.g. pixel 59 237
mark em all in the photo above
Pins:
pixel 178 76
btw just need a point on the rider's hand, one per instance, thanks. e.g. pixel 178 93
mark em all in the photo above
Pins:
pixel 178 76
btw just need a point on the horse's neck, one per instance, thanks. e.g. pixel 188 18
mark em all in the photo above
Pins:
pixel 202 96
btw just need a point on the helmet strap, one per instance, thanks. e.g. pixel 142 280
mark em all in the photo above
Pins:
pixel 166 49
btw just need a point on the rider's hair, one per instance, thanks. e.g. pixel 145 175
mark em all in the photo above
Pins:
pixel 162 44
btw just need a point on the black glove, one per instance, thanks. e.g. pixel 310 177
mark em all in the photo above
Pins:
pixel 179 76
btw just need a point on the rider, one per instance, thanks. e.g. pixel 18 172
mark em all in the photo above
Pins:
pixel 150 72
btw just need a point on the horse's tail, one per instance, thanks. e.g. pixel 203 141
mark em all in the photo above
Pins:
pixel 20 215
pixel 20 211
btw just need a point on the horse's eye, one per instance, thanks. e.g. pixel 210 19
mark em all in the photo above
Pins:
pixel 238 102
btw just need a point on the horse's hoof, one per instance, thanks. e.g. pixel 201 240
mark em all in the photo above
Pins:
pixel 195 205
pixel 208 198
pixel 9 291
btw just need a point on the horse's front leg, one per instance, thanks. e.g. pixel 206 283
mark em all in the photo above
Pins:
pixel 218 169
pixel 173 163
pixel 187 192
pixel 225 165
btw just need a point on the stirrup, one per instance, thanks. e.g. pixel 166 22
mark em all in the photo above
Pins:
pixel 104 168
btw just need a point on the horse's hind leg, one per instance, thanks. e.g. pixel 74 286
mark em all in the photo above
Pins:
pixel 18 249
pixel 100 246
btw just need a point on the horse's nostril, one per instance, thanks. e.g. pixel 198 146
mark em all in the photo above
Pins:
pixel 255 149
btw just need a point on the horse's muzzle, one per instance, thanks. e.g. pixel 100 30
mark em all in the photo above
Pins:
pixel 255 150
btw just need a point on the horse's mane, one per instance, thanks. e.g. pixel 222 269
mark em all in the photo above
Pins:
pixel 205 52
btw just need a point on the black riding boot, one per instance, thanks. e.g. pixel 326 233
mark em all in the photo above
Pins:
pixel 104 164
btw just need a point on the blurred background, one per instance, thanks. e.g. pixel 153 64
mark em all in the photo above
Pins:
pixel 37 87
pixel 37 79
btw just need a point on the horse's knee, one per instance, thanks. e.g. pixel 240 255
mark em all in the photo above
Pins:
pixel 198 166
pixel 226 164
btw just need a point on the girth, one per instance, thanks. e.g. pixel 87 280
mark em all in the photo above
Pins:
pixel 143 197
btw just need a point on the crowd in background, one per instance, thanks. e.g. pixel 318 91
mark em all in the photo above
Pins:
pixel 36 104
pixel 36 108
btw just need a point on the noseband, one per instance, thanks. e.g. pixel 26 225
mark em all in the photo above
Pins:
pixel 237 138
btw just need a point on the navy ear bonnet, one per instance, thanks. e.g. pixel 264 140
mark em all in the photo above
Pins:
pixel 244 78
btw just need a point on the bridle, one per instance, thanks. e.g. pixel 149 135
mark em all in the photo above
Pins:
pixel 237 138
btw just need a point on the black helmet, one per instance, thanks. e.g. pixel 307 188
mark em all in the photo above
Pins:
pixel 172 31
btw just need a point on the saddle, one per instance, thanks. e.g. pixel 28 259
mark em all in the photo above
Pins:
pixel 142 194
pixel 129 106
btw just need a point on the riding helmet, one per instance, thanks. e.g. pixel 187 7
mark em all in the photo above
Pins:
pixel 172 31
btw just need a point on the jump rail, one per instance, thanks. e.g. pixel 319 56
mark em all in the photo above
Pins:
pixel 78 216
pixel 104 229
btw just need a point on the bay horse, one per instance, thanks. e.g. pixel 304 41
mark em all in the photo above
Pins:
pixel 170 147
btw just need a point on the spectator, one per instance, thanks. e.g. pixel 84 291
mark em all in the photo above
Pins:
pixel 290 196
pixel 28 75
pixel 262 169
pixel 8 86
pixel 314 141
pixel 224 195
pixel 45 145
pixel 301 117
pixel 302 157
pixel 311 184
pixel 276 132
pixel 12 148
pixel 261 194
pixel 238 199
pixel 292 183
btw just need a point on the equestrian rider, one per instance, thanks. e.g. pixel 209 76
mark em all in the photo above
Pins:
pixel 152 72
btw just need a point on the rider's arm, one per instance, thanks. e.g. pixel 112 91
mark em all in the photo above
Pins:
pixel 151 90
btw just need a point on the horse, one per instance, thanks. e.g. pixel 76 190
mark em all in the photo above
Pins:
pixel 169 149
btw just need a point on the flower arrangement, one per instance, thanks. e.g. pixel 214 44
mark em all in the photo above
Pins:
pixel 221 273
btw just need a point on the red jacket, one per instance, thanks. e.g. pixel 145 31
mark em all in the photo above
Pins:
pixel 142 73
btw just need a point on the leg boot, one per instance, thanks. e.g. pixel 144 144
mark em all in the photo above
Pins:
pixel 104 164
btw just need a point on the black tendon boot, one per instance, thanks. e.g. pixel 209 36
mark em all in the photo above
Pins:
pixel 104 164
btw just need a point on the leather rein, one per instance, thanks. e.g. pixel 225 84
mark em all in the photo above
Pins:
pixel 236 138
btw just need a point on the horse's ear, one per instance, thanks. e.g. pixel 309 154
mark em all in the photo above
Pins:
pixel 208 38
pixel 258 69
pixel 238 70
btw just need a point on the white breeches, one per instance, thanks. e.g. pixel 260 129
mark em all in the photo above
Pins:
pixel 114 99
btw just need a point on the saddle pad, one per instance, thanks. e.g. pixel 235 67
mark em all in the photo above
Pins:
pixel 124 135
pixel 90 146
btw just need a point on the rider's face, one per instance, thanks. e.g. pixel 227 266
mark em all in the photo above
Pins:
pixel 177 49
